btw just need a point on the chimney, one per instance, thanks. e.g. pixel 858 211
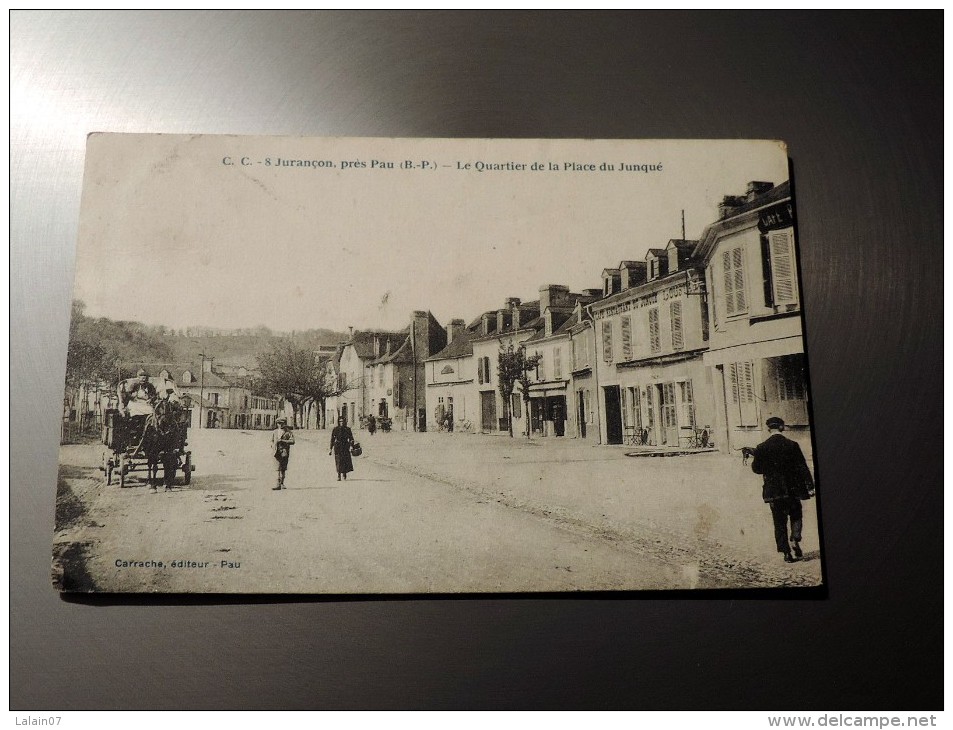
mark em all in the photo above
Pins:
pixel 553 295
pixel 729 203
pixel 485 325
pixel 514 305
pixel 756 188
pixel 421 333
pixel 350 333
pixel 454 329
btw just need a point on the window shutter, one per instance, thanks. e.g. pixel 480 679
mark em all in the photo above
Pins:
pixel 733 380
pixel 781 245
pixel 627 338
pixel 654 336
pixel 480 371
pixel 737 256
pixel 557 363
pixel 607 341
pixel 748 382
pixel 678 341
pixel 729 283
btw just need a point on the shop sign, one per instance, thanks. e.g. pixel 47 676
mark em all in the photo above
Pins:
pixel 777 216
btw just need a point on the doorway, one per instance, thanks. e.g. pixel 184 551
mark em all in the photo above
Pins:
pixel 613 414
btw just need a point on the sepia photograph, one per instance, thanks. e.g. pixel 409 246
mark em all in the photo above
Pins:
pixel 435 366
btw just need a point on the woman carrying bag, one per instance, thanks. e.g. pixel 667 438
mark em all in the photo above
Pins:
pixel 341 442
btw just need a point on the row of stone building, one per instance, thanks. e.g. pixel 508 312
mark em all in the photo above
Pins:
pixel 696 344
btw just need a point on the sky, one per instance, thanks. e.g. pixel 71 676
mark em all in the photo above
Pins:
pixel 202 231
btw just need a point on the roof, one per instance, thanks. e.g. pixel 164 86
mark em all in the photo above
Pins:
pixel 645 288
pixel 461 346
pixel 363 342
pixel 656 251
pixel 778 192
pixel 706 240
pixel 560 318
pixel 402 354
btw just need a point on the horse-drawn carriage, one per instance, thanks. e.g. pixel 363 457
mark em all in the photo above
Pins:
pixel 143 443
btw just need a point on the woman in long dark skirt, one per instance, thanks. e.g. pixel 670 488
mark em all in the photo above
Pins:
pixel 341 441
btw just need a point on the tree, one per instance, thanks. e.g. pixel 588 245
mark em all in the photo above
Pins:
pixel 295 374
pixel 513 366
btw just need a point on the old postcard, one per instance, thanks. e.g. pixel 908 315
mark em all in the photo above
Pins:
pixel 390 366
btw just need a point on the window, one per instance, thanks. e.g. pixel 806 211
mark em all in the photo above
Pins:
pixel 655 339
pixel 214 397
pixel 627 337
pixel 790 379
pixel 580 351
pixel 688 402
pixel 483 369
pixel 557 363
pixel 741 381
pixel 607 341
pixel 781 251
pixel 541 367
pixel 678 340
pixel 650 407
pixel 669 417
pixel 380 376
pixel 734 280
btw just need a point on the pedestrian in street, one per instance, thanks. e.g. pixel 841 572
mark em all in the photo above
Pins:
pixel 341 442
pixel 282 439
pixel 787 481
pixel 371 424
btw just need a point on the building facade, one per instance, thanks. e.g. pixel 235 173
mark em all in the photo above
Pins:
pixel 382 373
pixel 452 396
pixel 650 337
pixel 756 353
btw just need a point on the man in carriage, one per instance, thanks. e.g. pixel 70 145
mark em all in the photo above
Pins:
pixel 137 396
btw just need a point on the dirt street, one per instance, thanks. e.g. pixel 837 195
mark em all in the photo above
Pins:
pixel 421 513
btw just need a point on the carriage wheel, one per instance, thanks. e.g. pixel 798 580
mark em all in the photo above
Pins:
pixel 187 469
pixel 122 470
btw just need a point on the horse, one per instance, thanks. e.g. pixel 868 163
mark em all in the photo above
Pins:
pixel 159 442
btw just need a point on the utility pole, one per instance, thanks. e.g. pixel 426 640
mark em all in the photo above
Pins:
pixel 413 350
pixel 201 388
pixel 683 224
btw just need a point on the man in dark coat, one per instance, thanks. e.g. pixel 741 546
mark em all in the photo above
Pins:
pixel 787 481
pixel 341 442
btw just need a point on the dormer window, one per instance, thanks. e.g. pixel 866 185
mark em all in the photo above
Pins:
pixel 187 377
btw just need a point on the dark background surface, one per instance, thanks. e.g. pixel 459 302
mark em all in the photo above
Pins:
pixel 857 97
